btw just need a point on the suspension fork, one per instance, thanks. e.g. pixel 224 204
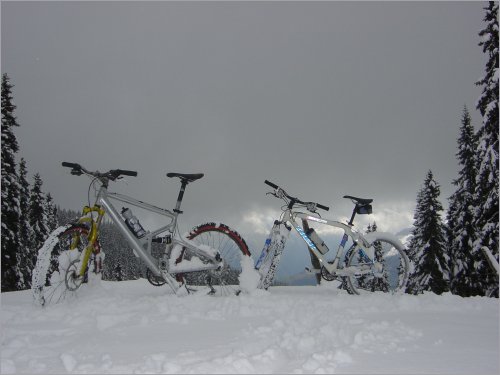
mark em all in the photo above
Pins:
pixel 93 234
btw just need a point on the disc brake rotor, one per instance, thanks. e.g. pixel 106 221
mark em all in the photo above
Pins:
pixel 72 279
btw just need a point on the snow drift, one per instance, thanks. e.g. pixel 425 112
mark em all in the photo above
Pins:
pixel 133 327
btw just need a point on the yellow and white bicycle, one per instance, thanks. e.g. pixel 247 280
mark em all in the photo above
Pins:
pixel 212 251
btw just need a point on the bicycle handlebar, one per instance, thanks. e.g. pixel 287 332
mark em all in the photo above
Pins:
pixel 124 172
pixel 326 208
pixel 71 165
pixel 274 186
pixel 113 174
pixel 294 200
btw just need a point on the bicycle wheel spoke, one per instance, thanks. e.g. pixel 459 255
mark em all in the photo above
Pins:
pixel 231 247
pixel 58 281
pixel 387 272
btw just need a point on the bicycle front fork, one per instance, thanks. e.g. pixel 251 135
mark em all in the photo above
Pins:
pixel 270 256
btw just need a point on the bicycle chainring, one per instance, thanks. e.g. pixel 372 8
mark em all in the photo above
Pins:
pixel 154 280
pixel 327 275
pixel 71 279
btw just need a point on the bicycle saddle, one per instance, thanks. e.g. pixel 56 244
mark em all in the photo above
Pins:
pixel 186 177
pixel 360 201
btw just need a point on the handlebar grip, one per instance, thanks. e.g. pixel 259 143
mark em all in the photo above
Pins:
pixel 71 165
pixel 274 186
pixel 322 207
pixel 127 173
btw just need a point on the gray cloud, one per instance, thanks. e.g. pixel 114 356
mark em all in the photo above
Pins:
pixel 325 98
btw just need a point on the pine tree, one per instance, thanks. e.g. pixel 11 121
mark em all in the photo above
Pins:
pixel 11 275
pixel 372 283
pixel 66 216
pixel 379 283
pixel 486 214
pixel 37 217
pixel 363 280
pixel 25 232
pixel 51 213
pixel 461 231
pixel 427 246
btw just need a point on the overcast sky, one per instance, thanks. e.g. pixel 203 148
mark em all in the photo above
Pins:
pixel 323 98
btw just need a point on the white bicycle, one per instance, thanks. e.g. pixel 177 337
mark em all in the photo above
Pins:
pixel 375 261
pixel 209 256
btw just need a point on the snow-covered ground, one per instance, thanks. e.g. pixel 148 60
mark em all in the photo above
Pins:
pixel 133 327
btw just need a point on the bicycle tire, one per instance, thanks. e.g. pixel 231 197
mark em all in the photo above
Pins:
pixel 389 276
pixel 53 279
pixel 231 247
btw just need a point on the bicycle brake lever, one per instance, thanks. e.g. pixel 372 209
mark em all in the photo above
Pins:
pixel 279 193
pixel 273 193
pixel 311 206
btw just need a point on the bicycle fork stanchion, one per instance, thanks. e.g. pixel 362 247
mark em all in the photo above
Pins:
pixel 138 247
pixel 273 248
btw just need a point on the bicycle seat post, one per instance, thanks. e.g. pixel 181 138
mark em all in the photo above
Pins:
pixel 177 208
pixel 185 179
pixel 351 222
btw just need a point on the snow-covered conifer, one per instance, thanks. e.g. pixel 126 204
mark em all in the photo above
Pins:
pixel 11 274
pixel 380 283
pixel 427 246
pixel 51 213
pixel 461 230
pixel 486 213
pixel 25 231
pixel 38 220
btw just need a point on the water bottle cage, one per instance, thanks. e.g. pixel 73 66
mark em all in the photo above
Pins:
pixel 133 223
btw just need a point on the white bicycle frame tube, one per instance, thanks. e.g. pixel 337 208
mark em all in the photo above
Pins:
pixel 349 232
pixel 129 236
pixel 104 197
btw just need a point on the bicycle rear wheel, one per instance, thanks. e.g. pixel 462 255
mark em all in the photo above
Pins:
pixel 388 271
pixel 55 276
pixel 231 247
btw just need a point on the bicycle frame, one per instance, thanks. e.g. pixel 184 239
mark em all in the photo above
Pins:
pixel 142 246
pixel 333 268
pixel 349 232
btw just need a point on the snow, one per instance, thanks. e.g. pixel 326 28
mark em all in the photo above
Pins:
pixel 133 327
pixel 249 278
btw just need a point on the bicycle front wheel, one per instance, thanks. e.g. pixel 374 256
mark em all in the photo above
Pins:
pixel 387 271
pixel 56 274
pixel 231 247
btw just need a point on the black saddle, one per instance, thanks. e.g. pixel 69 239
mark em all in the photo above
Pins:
pixel 185 177
pixel 359 201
